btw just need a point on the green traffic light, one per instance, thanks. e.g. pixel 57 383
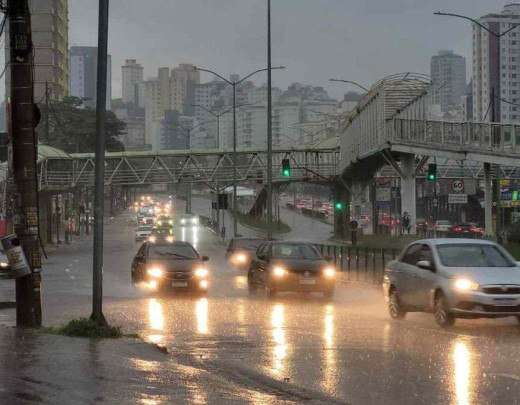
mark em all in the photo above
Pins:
pixel 286 173
pixel 431 177
pixel 338 206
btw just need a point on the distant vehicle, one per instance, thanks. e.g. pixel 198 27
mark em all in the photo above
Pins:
pixel 291 266
pixel 453 278
pixel 143 232
pixel 442 225
pixel 145 220
pixel 241 251
pixel 170 266
pixel 466 230
pixel 188 220
pixel 164 221
pixel 161 234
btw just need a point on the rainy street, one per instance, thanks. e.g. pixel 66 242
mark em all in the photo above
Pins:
pixel 346 349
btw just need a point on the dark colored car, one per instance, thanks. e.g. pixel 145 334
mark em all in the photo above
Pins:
pixel 291 266
pixel 175 265
pixel 466 230
pixel 241 251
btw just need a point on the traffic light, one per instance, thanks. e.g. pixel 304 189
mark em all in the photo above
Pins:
pixel 339 206
pixel 286 168
pixel 432 172
pixel 514 195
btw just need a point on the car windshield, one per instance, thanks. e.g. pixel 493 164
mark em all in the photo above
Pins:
pixel 443 222
pixel 473 255
pixel 173 251
pixel 246 244
pixel 144 228
pixel 295 251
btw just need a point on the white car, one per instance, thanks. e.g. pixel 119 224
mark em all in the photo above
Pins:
pixel 453 278
pixel 143 232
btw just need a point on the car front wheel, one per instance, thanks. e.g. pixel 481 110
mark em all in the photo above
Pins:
pixel 395 308
pixel 443 316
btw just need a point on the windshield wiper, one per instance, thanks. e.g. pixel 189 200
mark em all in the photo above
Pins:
pixel 175 254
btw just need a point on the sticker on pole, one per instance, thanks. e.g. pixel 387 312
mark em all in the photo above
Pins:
pixel 17 265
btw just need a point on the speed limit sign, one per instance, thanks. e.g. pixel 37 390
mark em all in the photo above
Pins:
pixel 457 186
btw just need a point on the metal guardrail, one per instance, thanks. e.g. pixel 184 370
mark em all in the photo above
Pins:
pixel 360 264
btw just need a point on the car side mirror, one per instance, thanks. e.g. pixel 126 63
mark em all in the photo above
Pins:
pixel 425 264
pixel 205 258
pixel 262 256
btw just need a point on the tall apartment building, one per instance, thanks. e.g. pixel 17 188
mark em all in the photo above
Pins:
pixel 183 81
pixel 496 66
pixel 50 34
pixel 83 75
pixel 132 77
pixel 448 73
pixel 170 91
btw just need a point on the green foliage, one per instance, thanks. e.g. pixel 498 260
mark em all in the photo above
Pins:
pixel 261 224
pixel 513 233
pixel 72 127
pixel 88 328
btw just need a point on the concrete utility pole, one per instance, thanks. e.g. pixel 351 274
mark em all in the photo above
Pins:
pixel 24 117
pixel 99 197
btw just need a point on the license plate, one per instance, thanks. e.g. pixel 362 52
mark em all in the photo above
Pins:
pixel 180 284
pixel 307 281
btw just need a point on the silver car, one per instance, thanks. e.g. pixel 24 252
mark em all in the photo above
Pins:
pixel 453 278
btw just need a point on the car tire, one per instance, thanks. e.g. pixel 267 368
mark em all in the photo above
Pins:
pixel 441 313
pixel 395 308
pixel 518 318
pixel 271 292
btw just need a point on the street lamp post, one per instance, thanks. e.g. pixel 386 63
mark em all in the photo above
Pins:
pixel 351 82
pixel 234 85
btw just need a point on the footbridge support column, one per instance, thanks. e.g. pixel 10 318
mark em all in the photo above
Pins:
pixel 488 200
pixel 408 193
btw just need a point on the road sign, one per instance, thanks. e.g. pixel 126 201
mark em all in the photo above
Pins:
pixel 457 186
pixel 457 199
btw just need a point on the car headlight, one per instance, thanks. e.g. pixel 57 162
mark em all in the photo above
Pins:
pixel 169 239
pixel 183 221
pixel 201 272
pixel 159 223
pixel 152 239
pixel 240 258
pixel 155 272
pixel 279 271
pixel 194 221
pixel 329 272
pixel 463 284
pixel 4 264
pixel 170 222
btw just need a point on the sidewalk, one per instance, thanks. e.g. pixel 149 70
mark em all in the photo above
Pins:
pixel 49 369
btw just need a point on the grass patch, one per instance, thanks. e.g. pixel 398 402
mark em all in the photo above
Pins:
pixel 84 327
pixel 261 224
pixel 386 241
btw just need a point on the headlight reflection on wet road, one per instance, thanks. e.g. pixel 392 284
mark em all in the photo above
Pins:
pixel 280 347
pixel 155 319
pixel 330 380
pixel 462 372
pixel 201 314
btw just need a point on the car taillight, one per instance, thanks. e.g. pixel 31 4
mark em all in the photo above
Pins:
pixel 457 229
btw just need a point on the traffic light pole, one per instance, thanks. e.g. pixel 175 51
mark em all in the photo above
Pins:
pixel 23 119
pixel 269 129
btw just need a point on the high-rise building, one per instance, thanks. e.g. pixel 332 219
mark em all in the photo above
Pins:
pixel 50 34
pixel 448 73
pixel 83 75
pixel 496 67
pixel 132 77
pixel 184 79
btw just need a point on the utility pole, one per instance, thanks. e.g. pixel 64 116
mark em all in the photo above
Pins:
pixel 235 208
pixel 47 112
pixel 99 197
pixel 23 120
pixel 269 130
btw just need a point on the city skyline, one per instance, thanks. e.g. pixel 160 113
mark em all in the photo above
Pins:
pixel 238 46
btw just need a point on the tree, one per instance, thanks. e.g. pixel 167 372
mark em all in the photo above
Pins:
pixel 72 127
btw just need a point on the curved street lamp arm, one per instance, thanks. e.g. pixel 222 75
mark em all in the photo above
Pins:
pixel 498 35
pixel 214 73
pixel 350 82
pixel 258 71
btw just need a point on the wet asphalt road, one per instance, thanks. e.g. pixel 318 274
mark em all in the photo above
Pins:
pixel 347 350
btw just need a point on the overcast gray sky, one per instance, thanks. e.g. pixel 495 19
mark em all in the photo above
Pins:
pixel 360 40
